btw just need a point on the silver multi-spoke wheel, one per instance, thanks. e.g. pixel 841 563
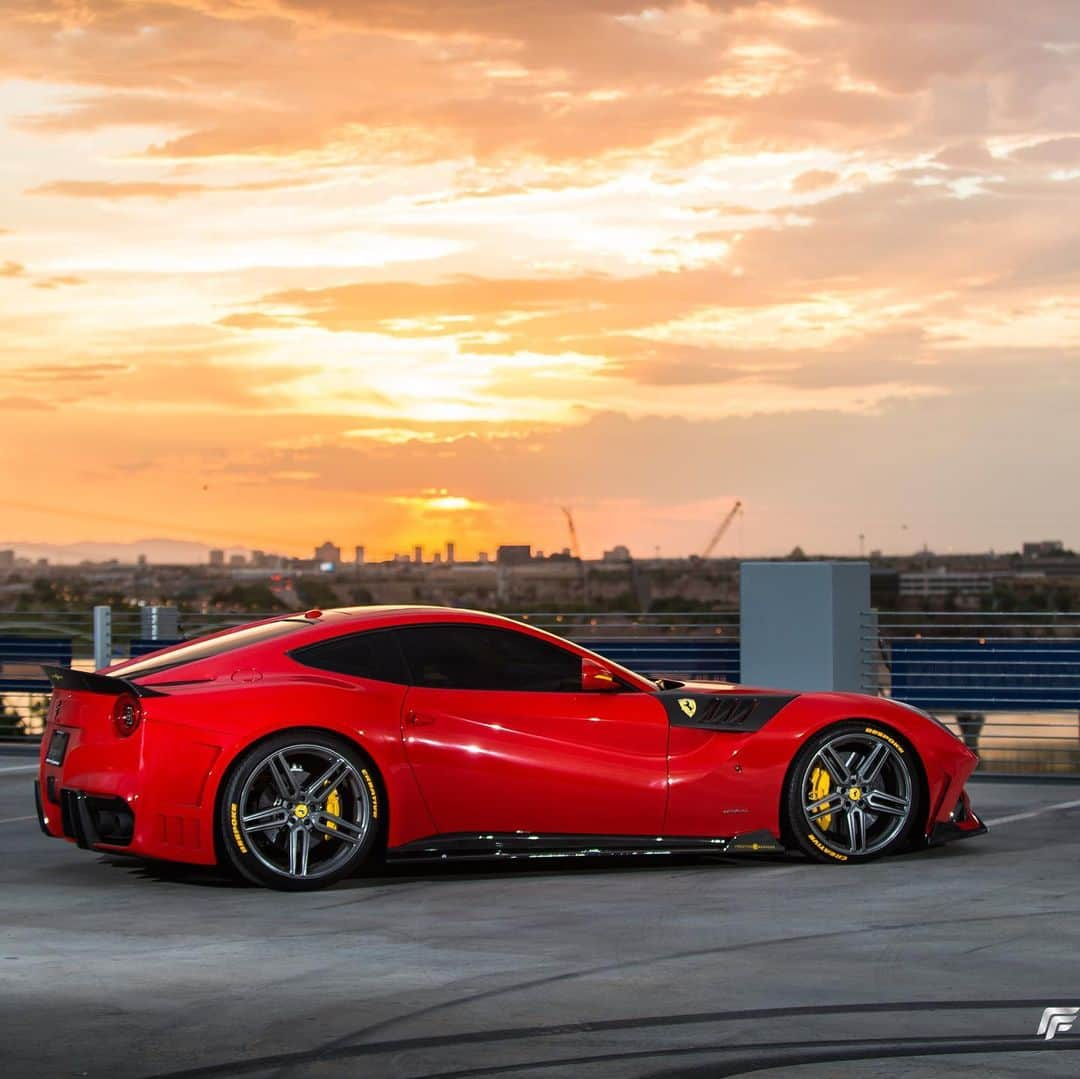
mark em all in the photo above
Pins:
pixel 300 814
pixel 856 793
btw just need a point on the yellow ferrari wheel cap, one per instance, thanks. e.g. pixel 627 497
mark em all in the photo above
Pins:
pixel 300 811
pixel 855 793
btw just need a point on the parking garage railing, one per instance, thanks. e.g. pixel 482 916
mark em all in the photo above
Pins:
pixel 1008 683
pixel 679 644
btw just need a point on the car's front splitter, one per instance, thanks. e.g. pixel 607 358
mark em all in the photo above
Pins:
pixel 962 823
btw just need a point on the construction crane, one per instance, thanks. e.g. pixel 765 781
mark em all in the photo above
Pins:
pixel 724 525
pixel 575 548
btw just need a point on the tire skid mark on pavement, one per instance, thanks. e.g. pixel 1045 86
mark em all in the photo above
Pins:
pixel 345 1040
pixel 1015 1043
pixel 785 1055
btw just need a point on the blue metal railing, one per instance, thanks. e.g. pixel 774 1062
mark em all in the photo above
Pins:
pixel 676 644
pixel 1009 683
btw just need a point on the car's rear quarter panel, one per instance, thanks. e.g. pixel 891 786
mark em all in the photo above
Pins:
pixel 171 770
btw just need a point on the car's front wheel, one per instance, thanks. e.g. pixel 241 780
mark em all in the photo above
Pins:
pixel 853 794
pixel 299 811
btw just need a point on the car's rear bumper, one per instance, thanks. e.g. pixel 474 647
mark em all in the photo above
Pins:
pixel 150 795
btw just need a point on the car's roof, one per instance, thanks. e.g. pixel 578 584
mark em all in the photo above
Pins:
pixel 381 610
pixel 336 620
pixel 393 613
pixel 317 625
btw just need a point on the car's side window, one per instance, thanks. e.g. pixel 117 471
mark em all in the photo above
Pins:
pixel 374 654
pixel 463 656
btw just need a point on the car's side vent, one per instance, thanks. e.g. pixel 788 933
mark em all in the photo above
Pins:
pixel 727 712
pixel 735 712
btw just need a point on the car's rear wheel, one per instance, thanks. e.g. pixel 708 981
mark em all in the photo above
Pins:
pixel 853 794
pixel 299 811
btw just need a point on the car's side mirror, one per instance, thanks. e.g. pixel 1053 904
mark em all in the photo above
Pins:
pixel 595 677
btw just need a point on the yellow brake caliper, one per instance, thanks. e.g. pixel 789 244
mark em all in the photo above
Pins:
pixel 333 805
pixel 820 785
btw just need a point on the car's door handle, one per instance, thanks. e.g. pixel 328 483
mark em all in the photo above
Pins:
pixel 413 720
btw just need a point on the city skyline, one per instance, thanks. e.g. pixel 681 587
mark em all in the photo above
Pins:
pixel 161 551
pixel 408 271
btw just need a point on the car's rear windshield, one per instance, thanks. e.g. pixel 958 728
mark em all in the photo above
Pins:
pixel 206 647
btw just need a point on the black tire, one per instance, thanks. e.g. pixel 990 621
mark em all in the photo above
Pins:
pixel 853 794
pixel 299 811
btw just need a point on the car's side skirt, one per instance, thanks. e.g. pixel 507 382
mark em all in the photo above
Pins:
pixel 464 845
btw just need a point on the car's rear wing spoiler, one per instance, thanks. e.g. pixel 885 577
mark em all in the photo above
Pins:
pixel 88 682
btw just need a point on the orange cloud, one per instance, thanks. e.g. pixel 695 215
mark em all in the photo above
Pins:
pixel 60 281
pixel 813 180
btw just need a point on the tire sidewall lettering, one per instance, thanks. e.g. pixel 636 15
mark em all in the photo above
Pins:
pixel 885 738
pixel 234 820
pixel 372 792
pixel 825 850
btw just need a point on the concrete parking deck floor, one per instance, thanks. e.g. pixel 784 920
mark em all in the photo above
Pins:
pixel 932 964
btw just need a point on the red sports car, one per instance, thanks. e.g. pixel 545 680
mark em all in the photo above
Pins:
pixel 296 749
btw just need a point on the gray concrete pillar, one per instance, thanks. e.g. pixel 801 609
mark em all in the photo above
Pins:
pixel 801 624
pixel 102 637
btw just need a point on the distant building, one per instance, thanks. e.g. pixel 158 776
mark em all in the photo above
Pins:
pixel 618 553
pixel 450 551
pixel 237 560
pixel 1043 549
pixel 7 559
pixel 418 555
pixel 328 552
pixel 944 582
pixel 359 557
pixel 259 559
pixel 482 557
pixel 514 554
pixel 217 558
pixel 141 560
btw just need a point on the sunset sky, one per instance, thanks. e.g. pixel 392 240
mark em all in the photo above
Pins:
pixel 399 271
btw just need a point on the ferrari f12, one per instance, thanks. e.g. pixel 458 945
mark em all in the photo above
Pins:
pixel 297 749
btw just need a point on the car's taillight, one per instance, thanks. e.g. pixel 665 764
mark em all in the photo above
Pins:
pixel 127 715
